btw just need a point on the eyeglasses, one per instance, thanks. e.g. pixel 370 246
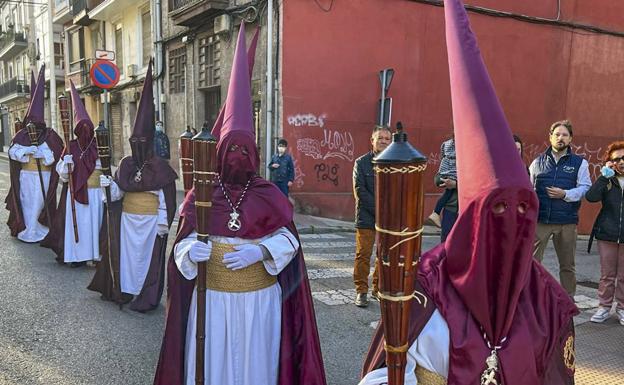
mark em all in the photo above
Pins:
pixel 617 160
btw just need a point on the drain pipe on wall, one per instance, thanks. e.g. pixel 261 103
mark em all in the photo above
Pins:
pixel 157 37
pixel 269 85
pixel 52 66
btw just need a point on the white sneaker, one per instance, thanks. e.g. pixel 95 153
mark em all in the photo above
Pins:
pixel 601 315
pixel 620 314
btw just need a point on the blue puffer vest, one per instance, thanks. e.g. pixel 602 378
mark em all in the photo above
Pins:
pixel 563 175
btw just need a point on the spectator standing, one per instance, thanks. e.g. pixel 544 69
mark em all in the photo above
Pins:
pixel 561 179
pixel 282 167
pixel 364 192
pixel 608 230
pixel 161 142
pixel 446 178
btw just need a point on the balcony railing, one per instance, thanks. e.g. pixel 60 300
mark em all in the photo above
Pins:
pixel 177 4
pixel 79 73
pixel 11 37
pixel 15 86
pixel 194 12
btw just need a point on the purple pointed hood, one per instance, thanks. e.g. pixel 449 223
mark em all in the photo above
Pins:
pixel 33 84
pixel 142 139
pixel 83 126
pixel 238 132
pixel 36 107
pixel 251 55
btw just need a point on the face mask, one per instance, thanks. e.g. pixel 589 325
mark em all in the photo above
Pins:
pixel 281 150
pixel 159 127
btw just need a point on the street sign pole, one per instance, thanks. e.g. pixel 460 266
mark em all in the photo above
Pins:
pixel 106 122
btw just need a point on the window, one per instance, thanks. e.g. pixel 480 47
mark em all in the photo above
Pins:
pixel 209 61
pixel 119 50
pixel 76 49
pixel 177 64
pixel 146 31
pixel 59 61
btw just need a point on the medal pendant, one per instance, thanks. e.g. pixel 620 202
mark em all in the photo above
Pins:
pixel 488 377
pixel 138 176
pixel 234 224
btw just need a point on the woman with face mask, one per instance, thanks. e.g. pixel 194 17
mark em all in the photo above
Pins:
pixel 608 230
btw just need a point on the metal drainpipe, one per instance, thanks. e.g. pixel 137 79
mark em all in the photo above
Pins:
pixel 157 37
pixel 52 67
pixel 269 93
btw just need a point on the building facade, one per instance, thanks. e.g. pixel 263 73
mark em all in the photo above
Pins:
pixel 567 65
pixel 24 47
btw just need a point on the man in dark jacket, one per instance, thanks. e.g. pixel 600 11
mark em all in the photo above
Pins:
pixel 561 179
pixel 282 168
pixel 161 142
pixel 364 192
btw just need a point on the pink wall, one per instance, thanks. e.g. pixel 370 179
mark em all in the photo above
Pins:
pixel 542 73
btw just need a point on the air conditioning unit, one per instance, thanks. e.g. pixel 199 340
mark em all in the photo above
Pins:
pixel 132 70
pixel 222 24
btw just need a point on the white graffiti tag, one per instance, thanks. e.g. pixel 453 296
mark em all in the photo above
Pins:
pixel 335 144
pixel 307 120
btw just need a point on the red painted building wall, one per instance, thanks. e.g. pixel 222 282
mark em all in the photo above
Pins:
pixel 542 73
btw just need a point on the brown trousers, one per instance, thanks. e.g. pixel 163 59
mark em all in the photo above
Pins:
pixel 611 270
pixel 364 241
pixel 564 240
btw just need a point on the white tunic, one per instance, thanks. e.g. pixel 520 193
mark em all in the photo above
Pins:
pixel 242 329
pixel 30 191
pixel 88 219
pixel 430 351
pixel 137 236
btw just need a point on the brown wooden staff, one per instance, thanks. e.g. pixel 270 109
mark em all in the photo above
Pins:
pixel 65 124
pixel 33 134
pixel 102 137
pixel 186 158
pixel 399 219
pixel 205 178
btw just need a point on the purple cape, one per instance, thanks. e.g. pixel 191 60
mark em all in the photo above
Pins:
pixel 300 362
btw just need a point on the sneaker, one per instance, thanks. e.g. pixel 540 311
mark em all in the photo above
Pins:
pixel 434 220
pixel 620 314
pixel 361 300
pixel 601 315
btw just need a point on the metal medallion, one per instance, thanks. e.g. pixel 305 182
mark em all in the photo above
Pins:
pixel 234 224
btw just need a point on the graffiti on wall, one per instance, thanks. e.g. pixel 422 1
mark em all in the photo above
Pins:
pixel 333 143
pixel 299 174
pixel 310 120
pixel 327 173
pixel 590 153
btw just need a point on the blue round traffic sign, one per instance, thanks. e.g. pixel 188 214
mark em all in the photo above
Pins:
pixel 104 74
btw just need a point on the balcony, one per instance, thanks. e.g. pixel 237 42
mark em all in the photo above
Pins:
pixel 12 43
pixel 108 10
pixel 79 74
pixel 14 89
pixel 191 13
pixel 62 12
pixel 80 11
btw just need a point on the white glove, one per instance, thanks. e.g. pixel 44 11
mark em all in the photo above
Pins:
pixel 39 154
pixel 30 150
pixel 245 255
pixel 105 180
pixel 200 251
pixel 162 229
pixel 68 161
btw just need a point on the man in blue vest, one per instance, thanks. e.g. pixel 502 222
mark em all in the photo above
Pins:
pixel 561 179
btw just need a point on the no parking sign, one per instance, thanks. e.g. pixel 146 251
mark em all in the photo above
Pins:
pixel 104 74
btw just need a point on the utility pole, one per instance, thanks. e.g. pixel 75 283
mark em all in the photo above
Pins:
pixel 51 66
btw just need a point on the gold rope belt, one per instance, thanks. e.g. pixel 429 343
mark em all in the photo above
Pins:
pixel 142 203
pixel 426 377
pixel 32 165
pixel 220 278
pixel 94 179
